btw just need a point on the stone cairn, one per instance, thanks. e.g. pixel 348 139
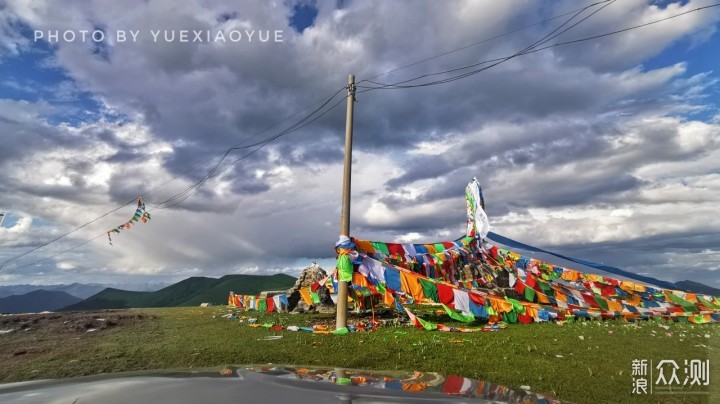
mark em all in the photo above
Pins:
pixel 310 275
pixel 500 286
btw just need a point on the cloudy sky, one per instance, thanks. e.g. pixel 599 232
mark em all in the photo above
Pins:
pixel 606 149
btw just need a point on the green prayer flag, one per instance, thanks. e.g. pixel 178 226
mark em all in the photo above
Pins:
pixel 345 268
pixel 343 381
pixel 688 306
pixel 529 294
pixel 382 247
pixel 707 303
pixel 439 247
pixel 517 306
pixel 510 317
pixel 429 289
pixel 315 297
pixel 381 288
pixel 427 325
pixel 601 302
pixel 261 305
pixel 465 318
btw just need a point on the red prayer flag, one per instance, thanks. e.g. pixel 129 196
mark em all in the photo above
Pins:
pixel 525 319
pixel 395 249
pixel 446 295
pixel 531 281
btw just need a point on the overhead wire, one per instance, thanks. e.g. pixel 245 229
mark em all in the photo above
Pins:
pixel 546 38
pixel 191 190
pixel 478 43
pixel 213 172
pixel 496 61
pixel 296 126
pixel 535 47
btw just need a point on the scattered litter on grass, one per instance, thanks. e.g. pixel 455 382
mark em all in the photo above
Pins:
pixel 270 338
pixel 582 338
pixel 8 331
pixel 494 327
pixel 92 330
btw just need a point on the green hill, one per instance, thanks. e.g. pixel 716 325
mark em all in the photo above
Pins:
pixel 188 292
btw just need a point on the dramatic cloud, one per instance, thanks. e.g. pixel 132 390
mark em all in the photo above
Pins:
pixel 606 149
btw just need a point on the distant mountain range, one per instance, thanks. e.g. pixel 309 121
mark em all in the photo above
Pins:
pixel 692 286
pixel 189 292
pixel 36 301
pixel 81 290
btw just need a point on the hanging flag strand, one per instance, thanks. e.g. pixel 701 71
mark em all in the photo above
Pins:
pixel 140 215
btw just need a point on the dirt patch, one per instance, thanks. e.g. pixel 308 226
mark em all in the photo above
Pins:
pixel 27 337
pixel 73 322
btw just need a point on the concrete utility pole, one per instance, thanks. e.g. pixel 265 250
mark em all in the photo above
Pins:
pixel 341 319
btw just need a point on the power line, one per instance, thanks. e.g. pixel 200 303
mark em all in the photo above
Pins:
pixel 480 42
pixel 546 38
pixel 64 235
pixel 234 147
pixel 296 126
pixel 58 254
pixel 188 192
pixel 535 48
pixel 184 195
pixel 293 128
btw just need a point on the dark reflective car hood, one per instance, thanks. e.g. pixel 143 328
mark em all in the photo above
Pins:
pixel 265 384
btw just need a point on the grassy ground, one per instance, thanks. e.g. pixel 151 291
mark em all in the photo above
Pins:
pixel 549 358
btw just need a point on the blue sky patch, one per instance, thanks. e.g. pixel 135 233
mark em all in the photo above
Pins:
pixel 303 16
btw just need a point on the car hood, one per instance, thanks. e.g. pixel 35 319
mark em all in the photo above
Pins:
pixel 266 383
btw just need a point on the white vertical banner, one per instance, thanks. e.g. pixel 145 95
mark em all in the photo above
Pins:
pixel 478 224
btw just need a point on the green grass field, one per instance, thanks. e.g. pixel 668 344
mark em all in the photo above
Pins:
pixel 549 358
